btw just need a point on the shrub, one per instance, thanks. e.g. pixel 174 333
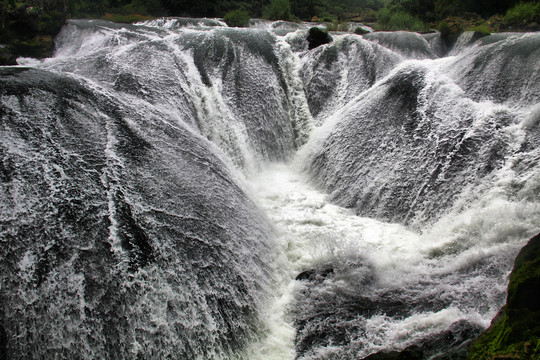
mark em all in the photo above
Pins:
pixel 392 20
pixel 384 15
pixel 237 18
pixel 522 13
pixel 450 31
pixel 444 29
pixel 278 10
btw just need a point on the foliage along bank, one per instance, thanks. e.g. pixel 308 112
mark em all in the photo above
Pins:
pixel 28 27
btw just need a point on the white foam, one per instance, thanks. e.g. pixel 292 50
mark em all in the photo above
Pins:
pixel 439 261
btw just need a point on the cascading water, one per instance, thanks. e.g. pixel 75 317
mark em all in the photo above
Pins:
pixel 180 189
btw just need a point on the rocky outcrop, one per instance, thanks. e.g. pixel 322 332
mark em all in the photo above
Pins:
pixel 515 331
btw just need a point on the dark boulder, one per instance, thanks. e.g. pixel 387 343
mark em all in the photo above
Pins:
pixel 318 37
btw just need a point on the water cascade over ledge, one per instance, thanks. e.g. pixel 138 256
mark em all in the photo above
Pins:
pixel 178 189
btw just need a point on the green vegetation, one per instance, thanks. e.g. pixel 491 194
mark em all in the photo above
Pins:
pixel 392 19
pixel 515 332
pixel 237 18
pixel 522 13
pixel 336 25
pixel 444 28
pixel 360 31
pixel 278 10
pixel 390 14
pixel 482 29
pixel 28 27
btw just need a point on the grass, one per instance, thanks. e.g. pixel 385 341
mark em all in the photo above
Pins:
pixel 482 29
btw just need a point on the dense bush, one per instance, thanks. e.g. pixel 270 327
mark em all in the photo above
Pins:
pixel 278 10
pixel 237 18
pixel 449 34
pixel 391 20
pixel 436 10
pixel 444 28
pixel 522 13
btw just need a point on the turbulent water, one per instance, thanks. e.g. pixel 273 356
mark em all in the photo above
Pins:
pixel 178 189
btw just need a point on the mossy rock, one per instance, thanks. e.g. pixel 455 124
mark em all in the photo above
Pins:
pixel 515 332
pixel 361 31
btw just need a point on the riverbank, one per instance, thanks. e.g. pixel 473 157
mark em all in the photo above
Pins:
pixel 29 31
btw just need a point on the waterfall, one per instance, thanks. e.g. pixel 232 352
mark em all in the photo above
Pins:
pixel 180 189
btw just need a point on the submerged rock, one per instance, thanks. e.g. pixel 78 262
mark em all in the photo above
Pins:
pixel 515 331
pixel 412 352
pixel 450 344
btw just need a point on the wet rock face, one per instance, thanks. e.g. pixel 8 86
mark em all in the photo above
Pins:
pixel 395 150
pixel 514 333
pixel 498 70
pixel 105 233
pixel 409 44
